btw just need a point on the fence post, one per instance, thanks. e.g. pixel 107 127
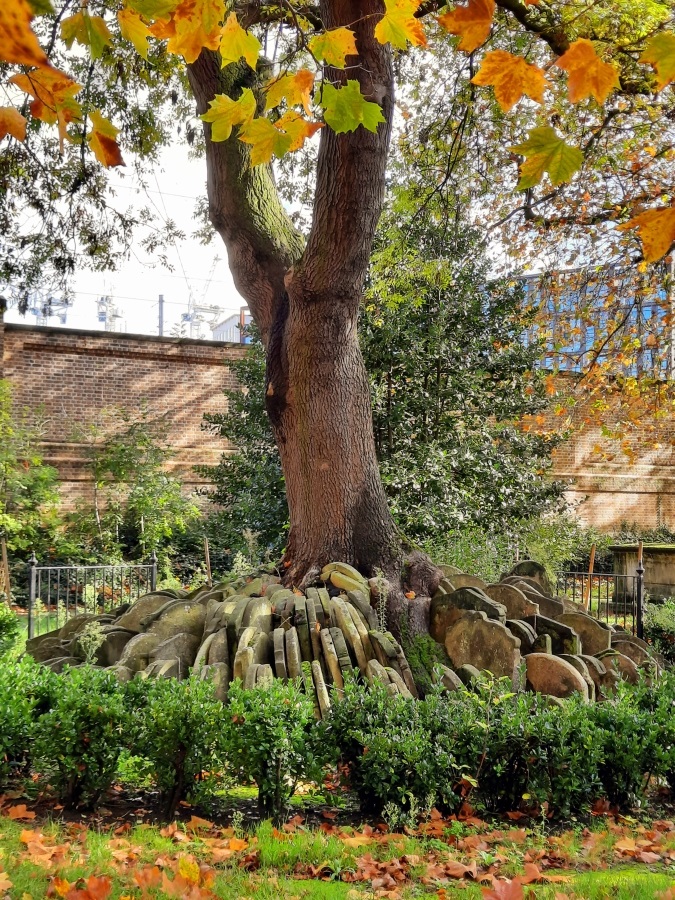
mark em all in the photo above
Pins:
pixel 153 571
pixel 32 593
pixel 639 593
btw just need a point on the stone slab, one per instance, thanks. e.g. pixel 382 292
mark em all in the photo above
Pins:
pixel 595 636
pixel 485 644
pixel 553 676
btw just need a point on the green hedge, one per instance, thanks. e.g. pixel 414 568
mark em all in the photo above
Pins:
pixel 502 751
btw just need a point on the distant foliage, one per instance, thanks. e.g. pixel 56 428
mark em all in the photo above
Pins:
pixel 659 624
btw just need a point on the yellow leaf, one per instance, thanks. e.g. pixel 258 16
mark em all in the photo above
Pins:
pixel 297 127
pixel 333 46
pixel 12 122
pixel 512 77
pixel 102 141
pixel 295 89
pixel 266 141
pixel 399 25
pixel 660 52
pixel 90 31
pixel 188 868
pixel 54 94
pixel 656 230
pixel 472 23
pixel 588 75
pixel 225 112
pixel 194 25
pixel 134 29
pixel 18 42
pixel 5 883
pixel 235 42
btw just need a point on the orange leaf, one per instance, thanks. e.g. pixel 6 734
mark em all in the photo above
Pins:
pixel 102 141
pixel 195 824
pixel 54 94
pixel 512 78
pixel 237 844
pixel 656 230
pixel 589 76
pixel 503 890
pixel 20 812
pixel 148 877
pixel 294 89
pixel 12 122
pixel 299 129
pixel 400 25
pixel 472 23
pixel 18 42
pixel 5 883
pixel 196 24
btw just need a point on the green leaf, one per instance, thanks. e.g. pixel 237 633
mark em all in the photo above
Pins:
pixel 346 108
pixel 90 31
pixel 41 7
pixel 153 9
pixel 546 151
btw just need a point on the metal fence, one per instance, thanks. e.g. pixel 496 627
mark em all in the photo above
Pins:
pixel 57 593
pixel 612 598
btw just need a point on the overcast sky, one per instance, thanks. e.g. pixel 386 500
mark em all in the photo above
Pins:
pixel 135 288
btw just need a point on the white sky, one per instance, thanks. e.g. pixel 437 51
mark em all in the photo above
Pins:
pixel 136 286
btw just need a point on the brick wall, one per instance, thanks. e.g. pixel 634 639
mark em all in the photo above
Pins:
pixel 76 375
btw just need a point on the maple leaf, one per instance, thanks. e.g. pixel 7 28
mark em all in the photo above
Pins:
pixel 660 52
pixel 13 123
pixel 333 46
pixel 503 890
pixel 154 9
pixel 18 41
pixel 90 31
pixel 236 42
pixel 195 24
pixel 20 812
pixel 399 25
pixel 195 824
pixel 5 883
pixel 656 230
pixel 134 29
pixel 297 127
pixel 148 877
pixel 102 141
pixel 472 23
pixel 346 108
pixel 54 94
pixel 294 89
pixel 266 141
pixel 224 113
pixel 512 77
pixel 588 74
pixel 545 151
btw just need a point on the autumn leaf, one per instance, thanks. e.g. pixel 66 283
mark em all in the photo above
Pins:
pixel 294 89
pixel 194 25
pixel 503 889
pixel 660 53
pixel 299 129
pixel 346 108
pixel 237 844
pixel 148 877
pixel 545 151
pixel 656 230
pixel 5 883
pixel 20 812
pixel 471 22
pixel 13 123
pixel 134 29
pixel 266 141
pixel 333 46
pixel 189 869
pixel 399 25
pixel 102 141
pixel 588 74
pixel 18 42
pixel 90 31
pixel 236 42
pixel 512 78
pixel 224 113
pixel 154 9
pixel 54 94
pixel 197 824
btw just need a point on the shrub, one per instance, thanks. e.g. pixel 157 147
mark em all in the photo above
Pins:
pixel 273 739
pixel 392 755
pixel 79 740
pixel 659 622
pixel 25 688
pixel 177 726
pixel 9 629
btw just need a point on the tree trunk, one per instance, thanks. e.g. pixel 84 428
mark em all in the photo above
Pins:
pixel 318 400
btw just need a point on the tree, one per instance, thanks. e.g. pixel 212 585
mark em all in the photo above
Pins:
pixel 305 294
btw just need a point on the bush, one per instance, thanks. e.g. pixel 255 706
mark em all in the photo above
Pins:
pixel 177 727
pixel 659 622
pixel 25 689
pixel 79 740
pixel 9 629
pixel 273 739
pixel 392 755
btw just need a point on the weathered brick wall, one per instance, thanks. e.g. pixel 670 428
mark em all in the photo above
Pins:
pixel 76 375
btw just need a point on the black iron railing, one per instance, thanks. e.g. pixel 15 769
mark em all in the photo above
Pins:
pixel 57 593
pixel 612 598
